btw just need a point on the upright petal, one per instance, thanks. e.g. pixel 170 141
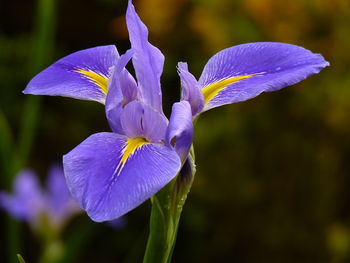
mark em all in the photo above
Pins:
pixel 27 201
pixel 131 120
pixel 122 89
pixel 191 91
pixel 154 125
pixel 147 60
pixel 107 191
pixel 140 120
pixel 244 71
pixel 180 129
pixel 81 75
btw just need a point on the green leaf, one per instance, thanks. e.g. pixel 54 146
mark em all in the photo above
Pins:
pixel 20 259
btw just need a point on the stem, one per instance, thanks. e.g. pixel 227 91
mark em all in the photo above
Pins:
pixel 167 206
pixel 52 252
pixel 49 234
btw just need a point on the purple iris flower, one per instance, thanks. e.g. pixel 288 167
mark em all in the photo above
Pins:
pixel 29 201
pixel 110 173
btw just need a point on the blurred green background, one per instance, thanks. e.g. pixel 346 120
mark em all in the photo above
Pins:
pixel 272 183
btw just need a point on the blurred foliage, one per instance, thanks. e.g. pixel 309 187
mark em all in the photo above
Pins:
pixel 20 258
pixel 273 172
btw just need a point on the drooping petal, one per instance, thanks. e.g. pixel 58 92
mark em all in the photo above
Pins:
pixel 244 71
pixel 108 185
pixel 60 204
pixel 27 201
pixel 122 89
pixel 81 75
pixel 147 60
pixel 191 91
pixel 140 120
pixel 180 129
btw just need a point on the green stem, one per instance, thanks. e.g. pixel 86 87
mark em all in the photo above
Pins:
pixel 167 206
pixel 49 234
pixel 52 252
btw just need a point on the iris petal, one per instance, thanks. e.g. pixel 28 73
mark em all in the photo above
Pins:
pixel 81 75
pixel 130 147
pixel 211 90
pixel 90 172
pixel 140 120
pixel 148 61
pixel 122 89
pixel 244 71
pixel 180 129
pixel 191 91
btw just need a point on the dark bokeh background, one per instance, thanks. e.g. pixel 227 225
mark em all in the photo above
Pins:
pixel 273 172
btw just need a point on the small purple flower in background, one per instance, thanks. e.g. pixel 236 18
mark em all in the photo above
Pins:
pixel 29 202
pixel 111 173
pixel 60 206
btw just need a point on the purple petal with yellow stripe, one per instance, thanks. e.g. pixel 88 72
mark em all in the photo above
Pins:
pixel 148 61
pixel 110 174
pixel 81 75
pixel 244 71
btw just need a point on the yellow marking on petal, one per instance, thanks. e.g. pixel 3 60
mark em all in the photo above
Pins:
pixel 100 80
pixel 211 90
pixel 131 145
